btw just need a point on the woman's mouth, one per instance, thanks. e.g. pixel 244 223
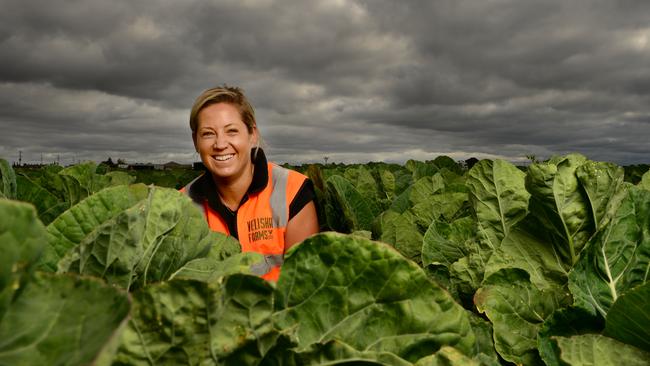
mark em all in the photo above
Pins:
pixel 223 157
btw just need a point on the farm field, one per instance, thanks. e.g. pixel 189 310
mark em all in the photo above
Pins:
pixel 426 263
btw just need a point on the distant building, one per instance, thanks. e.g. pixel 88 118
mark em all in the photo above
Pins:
pixel 141 166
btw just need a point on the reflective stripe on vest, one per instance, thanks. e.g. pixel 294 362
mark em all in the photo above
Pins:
pixel 270 261
pixel 262 219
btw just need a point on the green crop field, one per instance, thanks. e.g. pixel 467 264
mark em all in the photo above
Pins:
pixel 426 263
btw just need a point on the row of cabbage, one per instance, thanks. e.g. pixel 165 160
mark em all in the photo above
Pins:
pixel 548 266
pixel 555 255
pixel 132 275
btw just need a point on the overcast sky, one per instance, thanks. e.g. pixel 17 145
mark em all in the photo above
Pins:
pixel 356 81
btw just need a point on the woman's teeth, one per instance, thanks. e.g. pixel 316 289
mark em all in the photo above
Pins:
pixel 223 157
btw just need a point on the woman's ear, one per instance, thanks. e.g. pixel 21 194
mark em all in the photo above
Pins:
pixel 256 136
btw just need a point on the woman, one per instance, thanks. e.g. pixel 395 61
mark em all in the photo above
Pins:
pixel 266 207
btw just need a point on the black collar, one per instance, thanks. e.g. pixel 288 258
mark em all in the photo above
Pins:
pixel 260 172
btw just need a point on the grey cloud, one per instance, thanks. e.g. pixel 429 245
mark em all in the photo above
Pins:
pixel 352 79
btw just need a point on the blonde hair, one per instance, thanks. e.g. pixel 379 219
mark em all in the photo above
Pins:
pixel 224 94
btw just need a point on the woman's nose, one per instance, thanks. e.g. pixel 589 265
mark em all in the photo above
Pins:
pixel 220 142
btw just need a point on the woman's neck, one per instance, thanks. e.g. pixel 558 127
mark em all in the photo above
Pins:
pixel 231 191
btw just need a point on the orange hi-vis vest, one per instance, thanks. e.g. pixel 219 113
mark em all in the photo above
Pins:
pixel 261 219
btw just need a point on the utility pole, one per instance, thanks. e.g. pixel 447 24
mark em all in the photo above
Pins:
pixel 20 158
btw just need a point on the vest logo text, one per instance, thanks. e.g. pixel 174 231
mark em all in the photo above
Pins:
pixel 260 228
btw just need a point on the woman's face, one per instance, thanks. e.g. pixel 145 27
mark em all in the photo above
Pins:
pixel 223 141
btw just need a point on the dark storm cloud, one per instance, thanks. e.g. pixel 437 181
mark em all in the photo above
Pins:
pixel 351 80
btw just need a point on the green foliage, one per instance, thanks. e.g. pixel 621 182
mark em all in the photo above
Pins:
pixel 617 258
pixel 570 227
pixel 353 208
pixel 628 320
pixel 545 265
pixel 645 181
pixel 366 295
pixel 634 173
pixel 8 177
pixel 594 349
pixel 512 302
pixel 61 320
pixel 190 323
pixel 21 243
pixel 564 322
pixel 557 197
pixel 499 198
pixel 47 319
pixel 54 189
pixel 131 235
pixel 173 178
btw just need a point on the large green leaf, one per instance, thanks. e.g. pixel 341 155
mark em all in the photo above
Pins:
pixel 84 175
pixel 73 191
pixel 517 310
pixel 146 242
pixel 420 169
pixel 116 179
pixel 558 203
pixel 484 346
pixel 22 237
pixel 443 206
pixel 388 182
pixel 358 212
pixel 365 294
pixel 463 254
pixel 82 180
pixel 8 180
pixel 445 243
pixel 363 182
pixel 628 320
pixel 403 180
pixel 565 322
pixel 425 187
pixel 645 181
pixel 79 222
pixel 400 231
pixel 499 197
pixel 53 189
pixel 448 356
pixel 446 162
pixel 61 320
pixel 522 249
pixel 48 205
pixel 402 202
pixel 330 353
pixel 225 322
pixel 48 177
pixel 603 184
pixel 219 262
pixel 617 258
pixel 598 350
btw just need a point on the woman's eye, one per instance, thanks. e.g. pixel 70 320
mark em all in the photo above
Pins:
pixel 232 131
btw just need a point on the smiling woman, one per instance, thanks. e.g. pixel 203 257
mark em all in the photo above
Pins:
pixel 266 207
